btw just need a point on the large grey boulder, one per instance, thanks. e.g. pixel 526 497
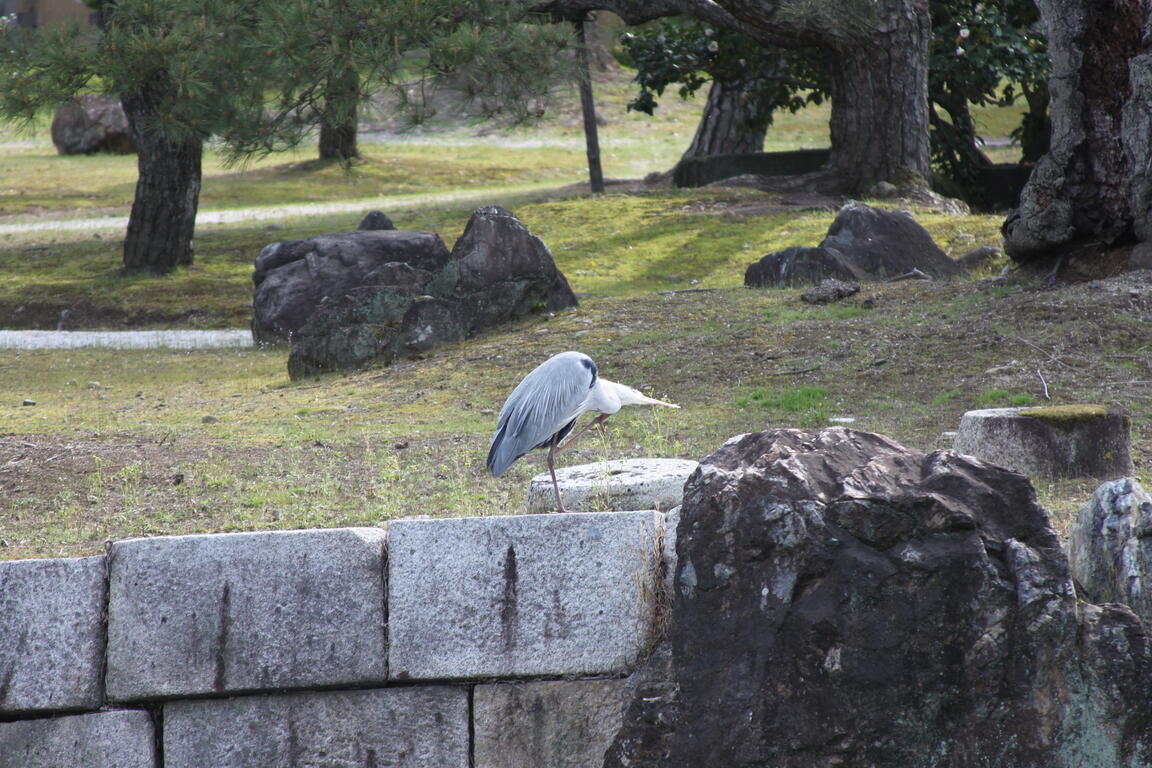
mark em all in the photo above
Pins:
pixel 295 279
pixel 92 123
pixel 844 601
pixel 225 613
pixel 617 485
pixel 552 724
pixel 51 634
pixel 506 272
pixel 412 727
pixel 1111 546
pixel 522 596
pixel 1053 442
pixel 112 739
pixel 348 300
pixel 863 244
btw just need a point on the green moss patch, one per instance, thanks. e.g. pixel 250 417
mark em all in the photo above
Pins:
pixel 1067 416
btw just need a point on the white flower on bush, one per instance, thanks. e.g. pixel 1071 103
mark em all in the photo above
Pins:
pixel 964 33
pixel 713 46
pixel 959 51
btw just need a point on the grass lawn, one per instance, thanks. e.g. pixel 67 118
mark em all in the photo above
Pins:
pixel 126 443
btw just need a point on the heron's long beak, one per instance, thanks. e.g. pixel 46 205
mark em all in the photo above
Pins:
pixel 645 400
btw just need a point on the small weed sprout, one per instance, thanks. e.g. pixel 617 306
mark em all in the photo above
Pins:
pixel 131 477
pixel 656 438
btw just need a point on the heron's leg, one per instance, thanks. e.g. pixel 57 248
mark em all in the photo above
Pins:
pixel 599 420
pixel 552 471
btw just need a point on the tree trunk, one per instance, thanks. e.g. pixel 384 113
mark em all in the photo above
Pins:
pixel 163 218
pixel 1093 189
pixel 878 62
pixel 728 125
pixel 588 108
pixel 1036 128
pixel 879 124
pixel 338 125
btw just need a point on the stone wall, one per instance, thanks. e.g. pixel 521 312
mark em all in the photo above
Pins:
pixel 472 642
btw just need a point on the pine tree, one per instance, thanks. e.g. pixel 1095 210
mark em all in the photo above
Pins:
pixel 258 75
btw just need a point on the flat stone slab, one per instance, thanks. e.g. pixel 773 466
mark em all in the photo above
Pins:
pixel 239 612
pixel 409 727
pixel 115 739
pixel 525 595
pixel 51 634
pixel 1054 442
pixel 623 484
pixel 564 724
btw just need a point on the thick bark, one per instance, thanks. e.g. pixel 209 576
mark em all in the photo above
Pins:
pixel 163 218
pixel 728 125
pixel 1036 130
pixel 1093 188
pixel 338 136
pixel 879 124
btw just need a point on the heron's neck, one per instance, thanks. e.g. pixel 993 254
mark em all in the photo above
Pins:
pixel 607 396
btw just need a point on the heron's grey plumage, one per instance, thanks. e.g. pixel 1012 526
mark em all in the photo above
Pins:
pixel 542 409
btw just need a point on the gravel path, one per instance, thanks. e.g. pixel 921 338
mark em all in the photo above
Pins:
pixel 386 203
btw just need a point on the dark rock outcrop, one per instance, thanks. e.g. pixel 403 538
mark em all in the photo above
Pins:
pixel 841 600
pixel 349 299
pixel 1111 546
pixel 299 279
pixel 376 220
pixel 92 123
pixel 863 244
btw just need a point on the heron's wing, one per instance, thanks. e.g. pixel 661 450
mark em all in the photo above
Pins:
pixel 544 403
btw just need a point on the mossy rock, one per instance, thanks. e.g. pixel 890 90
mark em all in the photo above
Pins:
pixel 1061 441
pixel 1067 416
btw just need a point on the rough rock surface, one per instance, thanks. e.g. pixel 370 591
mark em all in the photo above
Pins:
pixel 1056 441
pixel 829 290
pixel 521 596
pixel 296 279
pixel 550 724
pixel 112 739
pixel 863 244
pixel 92 123
pixel 51 634
pixel 618 485
pixel 425 727
pixel 1111 547
pixel 844 601
pixel 347 300
pixel 237 612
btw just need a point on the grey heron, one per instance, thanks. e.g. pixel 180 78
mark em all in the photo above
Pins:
pixel 545 405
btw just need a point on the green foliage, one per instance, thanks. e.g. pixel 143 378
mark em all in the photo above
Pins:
pixel 988 53
pixel 689 53
pixel 260 74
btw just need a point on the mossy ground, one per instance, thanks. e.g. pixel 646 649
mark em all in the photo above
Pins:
pixel 127 443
